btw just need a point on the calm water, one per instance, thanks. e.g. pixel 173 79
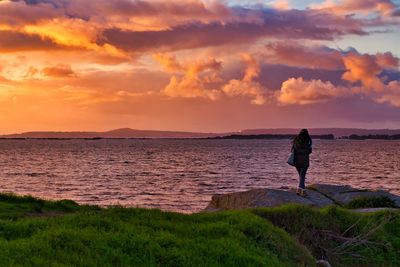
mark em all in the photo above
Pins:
pixel 182 175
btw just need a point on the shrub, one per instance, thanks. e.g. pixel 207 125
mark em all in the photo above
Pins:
pixel 371 202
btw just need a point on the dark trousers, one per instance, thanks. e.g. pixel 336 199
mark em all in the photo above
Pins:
pixel 302 175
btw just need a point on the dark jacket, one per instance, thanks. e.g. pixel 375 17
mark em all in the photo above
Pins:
pixel 302 154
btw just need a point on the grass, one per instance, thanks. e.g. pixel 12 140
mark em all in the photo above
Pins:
pixel 140 237
pixel 371 202
pixel 14 207
pixel 342 237
pixel 290 235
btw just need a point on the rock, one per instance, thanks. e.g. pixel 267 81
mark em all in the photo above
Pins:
pixel 344 194
pixel 322 195
pixel 373 210
pixel 265 198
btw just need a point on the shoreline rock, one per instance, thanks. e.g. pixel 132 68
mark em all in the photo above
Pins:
pixel 320 195
pixel 345 194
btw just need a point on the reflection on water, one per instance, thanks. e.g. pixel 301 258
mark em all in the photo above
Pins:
pixel 182 175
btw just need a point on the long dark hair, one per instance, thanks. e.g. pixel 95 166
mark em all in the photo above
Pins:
pixel 302 137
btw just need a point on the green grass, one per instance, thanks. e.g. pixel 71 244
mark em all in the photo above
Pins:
pixel 371 202
pixel 14 207
pixel 343 237
pixel 142 237
pixel 68 234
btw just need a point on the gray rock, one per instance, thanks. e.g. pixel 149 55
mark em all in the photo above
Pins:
pixel 265 198
pixel 374 210
pixel 324 195
pixel 344 194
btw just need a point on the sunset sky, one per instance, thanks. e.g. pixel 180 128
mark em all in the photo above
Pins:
pixel 208 66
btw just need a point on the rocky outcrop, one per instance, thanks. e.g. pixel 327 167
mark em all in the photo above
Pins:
pixel 321 195
pixel 345 194
pixel 265 198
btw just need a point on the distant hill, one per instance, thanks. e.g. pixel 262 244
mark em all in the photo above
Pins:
pixel 132 133
pixel 118 133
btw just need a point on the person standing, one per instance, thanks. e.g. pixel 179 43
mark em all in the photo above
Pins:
pixel 302 147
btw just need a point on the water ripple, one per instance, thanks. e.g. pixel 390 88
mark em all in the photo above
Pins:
pixel 182 175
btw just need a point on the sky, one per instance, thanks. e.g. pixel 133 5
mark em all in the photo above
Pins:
pixel 198 65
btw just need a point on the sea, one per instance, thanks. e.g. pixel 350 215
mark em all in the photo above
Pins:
pixel 182 175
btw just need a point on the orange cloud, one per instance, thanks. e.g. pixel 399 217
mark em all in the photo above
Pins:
pixel 299 91
pixel 196 82
pixel 280 4
pixel 247 86
pixel 365 68
pixel 362 69
pixel 385 7
pixel 191 84
pixel 31 72
pixel 169 62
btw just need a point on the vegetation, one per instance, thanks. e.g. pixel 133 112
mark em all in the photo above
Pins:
pixel 140 237
pixel 371 202
pixel 270 136
pixel 342 237
pixel 13 207
pixel 375 136
pixel 35 232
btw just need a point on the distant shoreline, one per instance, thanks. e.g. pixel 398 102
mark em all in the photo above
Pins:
pixel 233 136
pixel 278 133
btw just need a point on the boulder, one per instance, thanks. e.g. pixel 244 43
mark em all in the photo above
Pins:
pixel 265 198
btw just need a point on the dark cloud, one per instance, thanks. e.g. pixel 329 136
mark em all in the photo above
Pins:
pixel 59 71
pixel 21 13
pixel 126 8
pixel 360 109
pixel 272 76
pixel 396 13
pixel 296 54
pixel 292 24
pixel 11 41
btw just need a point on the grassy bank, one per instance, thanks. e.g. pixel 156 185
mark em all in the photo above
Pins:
pixel 87 236
pixel 343 237
pixel 38 232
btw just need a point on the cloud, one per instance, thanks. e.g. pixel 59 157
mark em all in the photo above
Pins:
pixel 280 4
pixel 299 91
pixel 32 71
pixel 137 8
pixel 387 60
pixel 123 26
pixel 391 95
pixel 59 71
pixel 366 68
pixel 11 41
pixel 247 86
pixel 295 54
pixel 363 77
pixel 19 13
pixel 287 24
pixel 169 62
pixel 194 82
pixel 385 7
